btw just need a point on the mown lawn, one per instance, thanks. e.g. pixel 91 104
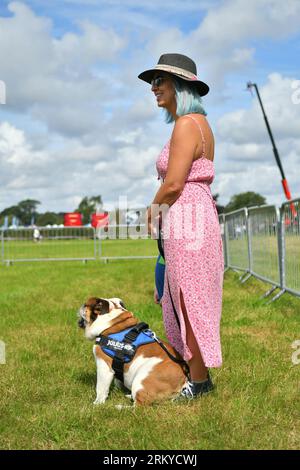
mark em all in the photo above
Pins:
pixel 81 248
pixel 47 385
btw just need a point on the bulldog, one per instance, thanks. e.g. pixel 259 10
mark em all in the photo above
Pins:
pixel 151 375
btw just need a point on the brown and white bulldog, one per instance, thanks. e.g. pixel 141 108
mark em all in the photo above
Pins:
pixel 150 376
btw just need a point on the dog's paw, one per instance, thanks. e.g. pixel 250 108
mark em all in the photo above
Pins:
pixel 123 407
pixel 99 401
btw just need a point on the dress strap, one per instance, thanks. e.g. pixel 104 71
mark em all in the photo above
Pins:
pixel 202 135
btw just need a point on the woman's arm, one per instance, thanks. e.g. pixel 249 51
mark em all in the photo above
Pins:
pixel 182 149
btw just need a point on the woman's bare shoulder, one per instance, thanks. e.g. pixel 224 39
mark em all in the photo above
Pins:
pixel 184 124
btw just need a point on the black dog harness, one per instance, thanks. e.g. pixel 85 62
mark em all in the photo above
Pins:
pixel 123 345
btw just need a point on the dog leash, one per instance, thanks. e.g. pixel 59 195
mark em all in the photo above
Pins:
pixel 173 358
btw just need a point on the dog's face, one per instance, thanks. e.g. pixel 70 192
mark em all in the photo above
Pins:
pixel 96 306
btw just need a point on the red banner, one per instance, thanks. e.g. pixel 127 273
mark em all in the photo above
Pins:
pixel 100 220
pixel 72 219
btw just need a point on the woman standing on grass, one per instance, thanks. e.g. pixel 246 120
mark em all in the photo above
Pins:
pixel 192 299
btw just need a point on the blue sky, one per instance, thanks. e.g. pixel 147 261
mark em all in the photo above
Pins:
pixel 77 113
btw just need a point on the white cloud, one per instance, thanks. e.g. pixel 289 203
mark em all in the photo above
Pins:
pixel 247 125
pixel 245 159
pixel 44 74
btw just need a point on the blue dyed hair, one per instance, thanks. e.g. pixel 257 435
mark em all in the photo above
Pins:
pixel 187 98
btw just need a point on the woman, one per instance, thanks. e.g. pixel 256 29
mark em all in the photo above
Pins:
pixel 192 298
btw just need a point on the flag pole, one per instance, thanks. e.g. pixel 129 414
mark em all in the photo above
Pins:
pixel 275 151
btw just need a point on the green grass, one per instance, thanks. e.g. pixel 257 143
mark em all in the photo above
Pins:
pixel 47 385
pixel 77 248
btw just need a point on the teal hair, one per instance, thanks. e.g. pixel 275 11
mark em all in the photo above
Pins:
pixel 187 98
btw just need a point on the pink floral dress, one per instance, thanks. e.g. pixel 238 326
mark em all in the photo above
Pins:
pixel 194 261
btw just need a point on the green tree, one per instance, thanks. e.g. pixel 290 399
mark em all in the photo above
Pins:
pixel 88 206
pixel 248 199
pixel 24 211
pixel 50 218
pixel 28 210
pixel 10 212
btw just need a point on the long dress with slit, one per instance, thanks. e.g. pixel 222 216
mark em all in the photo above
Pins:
pixel 194 261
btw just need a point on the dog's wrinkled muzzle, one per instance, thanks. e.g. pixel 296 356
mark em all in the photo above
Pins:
pixel 81 314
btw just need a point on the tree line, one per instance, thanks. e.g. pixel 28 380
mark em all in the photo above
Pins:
pixel 27 213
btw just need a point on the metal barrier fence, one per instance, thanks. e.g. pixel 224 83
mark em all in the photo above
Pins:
pixel 236 239
pixel 48 244
pixel 222 229
pixel 290 246
pixel 126 241
pixel 76 243
pixel 261 241
pixel 265 242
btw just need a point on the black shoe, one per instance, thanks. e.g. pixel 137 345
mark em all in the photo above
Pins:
pixel 193 390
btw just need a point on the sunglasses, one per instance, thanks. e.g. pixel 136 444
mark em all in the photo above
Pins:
pixel 157 81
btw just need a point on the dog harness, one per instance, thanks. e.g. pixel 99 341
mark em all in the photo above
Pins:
pixel 123 345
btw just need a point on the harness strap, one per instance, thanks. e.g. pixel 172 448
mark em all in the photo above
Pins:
pixel 118 366
pixel 122 349
pixel 129 338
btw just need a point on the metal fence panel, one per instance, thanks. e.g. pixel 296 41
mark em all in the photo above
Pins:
pixel 222 229
pixel 290 224
pixel 126 241
pixel 254 240
pixel 236 239
pixel 49 244
pixel 263 237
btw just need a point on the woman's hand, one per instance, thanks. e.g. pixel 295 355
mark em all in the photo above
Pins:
pixel 151 224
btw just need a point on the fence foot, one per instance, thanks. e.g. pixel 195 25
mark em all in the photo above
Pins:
pixel 276 296
pixel 244 279
pixel 268 292
pixel 235 270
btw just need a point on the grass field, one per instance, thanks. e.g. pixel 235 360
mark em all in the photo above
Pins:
pixel 48 382
pixel 76 248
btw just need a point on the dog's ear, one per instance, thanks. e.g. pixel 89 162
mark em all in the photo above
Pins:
pixel 118 303
pixel 101 306
pixel 96 306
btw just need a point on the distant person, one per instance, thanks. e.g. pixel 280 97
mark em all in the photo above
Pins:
pixel 192 298
pixel 36 235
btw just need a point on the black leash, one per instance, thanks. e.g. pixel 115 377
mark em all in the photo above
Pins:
pixel 173 358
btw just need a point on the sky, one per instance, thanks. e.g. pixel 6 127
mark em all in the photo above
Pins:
pixel 78 122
